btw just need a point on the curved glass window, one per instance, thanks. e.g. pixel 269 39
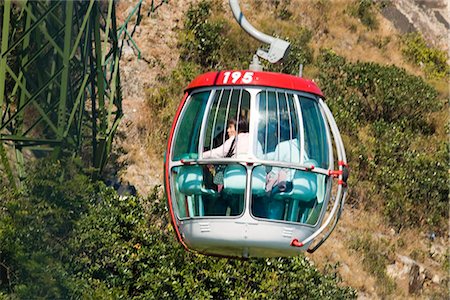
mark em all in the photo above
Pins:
pixel 227 126
pixel 186 140
pixel 278 127
pixel 291 128
pixel 288 128
pixel 209 190
pixel 277 196
pixel 315 132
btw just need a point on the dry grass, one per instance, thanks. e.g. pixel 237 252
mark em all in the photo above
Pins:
pixel 356 223
pixel 333 27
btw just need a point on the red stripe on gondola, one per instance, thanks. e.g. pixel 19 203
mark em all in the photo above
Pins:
pixel 268 79
pixel 167 171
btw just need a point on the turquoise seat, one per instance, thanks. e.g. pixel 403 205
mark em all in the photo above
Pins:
pixel 259 181
pixel 234 179
pixel 190 181
pixel 234 183
pixel 302 194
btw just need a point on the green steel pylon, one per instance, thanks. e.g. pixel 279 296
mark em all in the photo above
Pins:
pixel 59 81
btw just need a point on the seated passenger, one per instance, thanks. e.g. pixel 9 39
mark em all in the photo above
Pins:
pixel 236 144
pixel 286 151
pixel 280 179
pixel 228 149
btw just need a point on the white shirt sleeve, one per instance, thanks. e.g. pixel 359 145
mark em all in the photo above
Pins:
pixel 259 150
pixel 219 152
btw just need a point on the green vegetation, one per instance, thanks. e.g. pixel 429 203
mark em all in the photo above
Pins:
pixel 365 93
pixel 433 61
pixel 162 104
pixel 203 38
pixel 61 241
pixel 385 115
pixel 35 226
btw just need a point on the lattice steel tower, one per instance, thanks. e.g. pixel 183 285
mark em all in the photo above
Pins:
pixel 59 81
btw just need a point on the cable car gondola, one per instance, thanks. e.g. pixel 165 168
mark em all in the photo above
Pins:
pixel 250 165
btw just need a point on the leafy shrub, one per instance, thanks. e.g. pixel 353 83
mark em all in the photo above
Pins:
pixel 35 225
pixel 202 37
pixel 413 182
pixel 366 92
pixel 118 249
pixel 384 113
pixel 66 237
pixel 434 61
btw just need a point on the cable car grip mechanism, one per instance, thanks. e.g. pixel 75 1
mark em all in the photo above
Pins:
pixel 279 49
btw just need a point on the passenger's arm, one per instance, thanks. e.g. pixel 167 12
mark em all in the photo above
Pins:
pixel 269 156
pixel 259 150
pixel 220 151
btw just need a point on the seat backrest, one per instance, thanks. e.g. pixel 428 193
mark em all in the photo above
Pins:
pixel 321 188
pixel 190 180
pixel 259 180
pixel 234 179
pixel 304 185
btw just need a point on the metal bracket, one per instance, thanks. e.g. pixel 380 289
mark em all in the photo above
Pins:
pixel 279 49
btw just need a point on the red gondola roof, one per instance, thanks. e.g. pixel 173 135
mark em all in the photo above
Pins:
pixel 246 77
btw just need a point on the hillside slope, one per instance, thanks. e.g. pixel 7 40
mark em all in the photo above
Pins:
pixel 414 267
pixel 156 38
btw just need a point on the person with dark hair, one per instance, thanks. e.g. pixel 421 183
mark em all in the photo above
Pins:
pixel 237 143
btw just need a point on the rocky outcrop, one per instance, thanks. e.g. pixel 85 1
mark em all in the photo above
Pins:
pixel 431 18
pixel 410 275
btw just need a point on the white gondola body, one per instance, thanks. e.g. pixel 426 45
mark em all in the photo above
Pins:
pixel 275 187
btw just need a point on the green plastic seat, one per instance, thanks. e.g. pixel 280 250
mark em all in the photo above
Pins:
pixel 302 194
pixel 234 179
pixel 259 181
pixel 190 181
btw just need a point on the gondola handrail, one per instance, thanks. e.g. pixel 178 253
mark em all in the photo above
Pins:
pixel 342 189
